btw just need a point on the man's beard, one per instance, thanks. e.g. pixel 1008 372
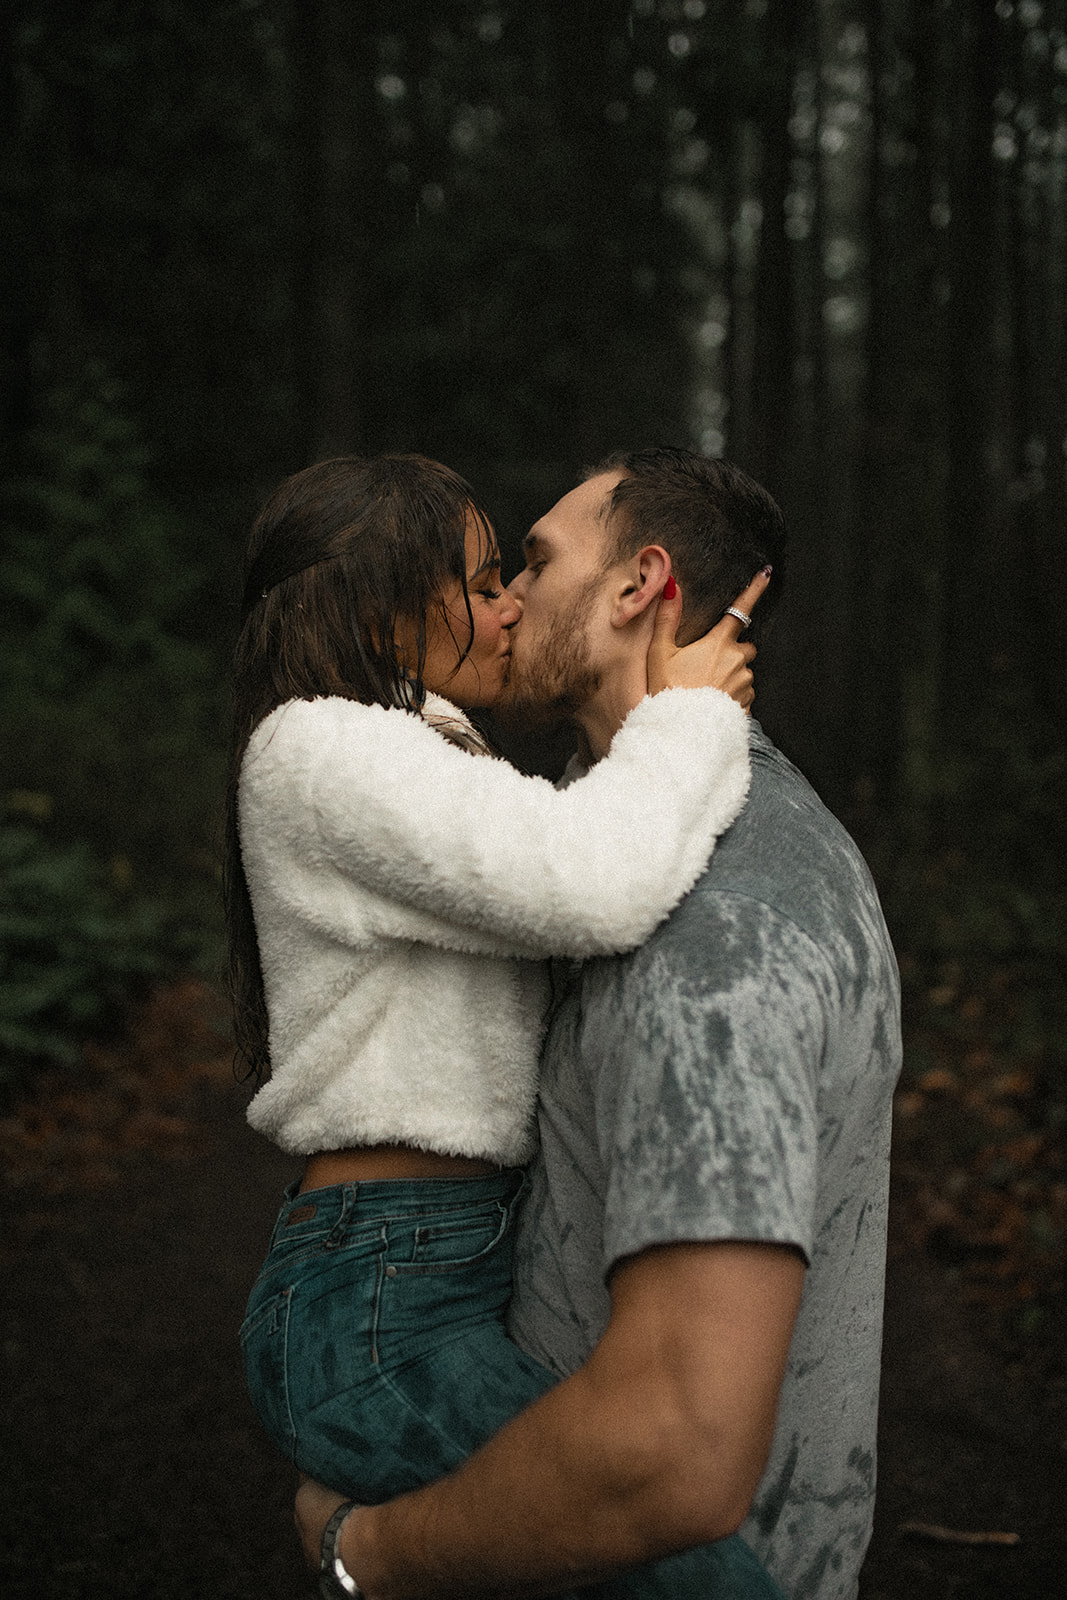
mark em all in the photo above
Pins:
pixel 553 685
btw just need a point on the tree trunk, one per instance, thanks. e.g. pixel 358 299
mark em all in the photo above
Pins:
pixel 335 42
pixel 980 421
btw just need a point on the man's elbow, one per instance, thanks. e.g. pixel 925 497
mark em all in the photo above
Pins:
pixel 694 1489
pixel 696 1507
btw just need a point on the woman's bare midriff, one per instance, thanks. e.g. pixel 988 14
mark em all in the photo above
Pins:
pixel 371 1162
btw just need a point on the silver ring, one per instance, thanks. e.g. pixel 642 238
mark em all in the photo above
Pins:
pixel 742 616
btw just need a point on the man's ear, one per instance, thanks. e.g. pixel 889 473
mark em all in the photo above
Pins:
pixel 644 575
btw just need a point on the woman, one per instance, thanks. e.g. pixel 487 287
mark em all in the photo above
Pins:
pixel 390 888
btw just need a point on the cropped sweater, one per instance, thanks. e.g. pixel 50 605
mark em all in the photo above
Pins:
pixel 404 888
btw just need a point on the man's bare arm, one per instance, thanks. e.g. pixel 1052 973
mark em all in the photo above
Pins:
pixel 655 1444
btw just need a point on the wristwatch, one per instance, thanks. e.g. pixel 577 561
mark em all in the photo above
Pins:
pixel 334 1581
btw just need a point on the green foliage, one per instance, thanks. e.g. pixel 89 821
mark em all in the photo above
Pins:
pixel 108 704
pixel 975 887
pixel 71 946
pixel 112 716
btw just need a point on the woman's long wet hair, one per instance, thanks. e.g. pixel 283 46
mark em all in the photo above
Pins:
pixel 341 556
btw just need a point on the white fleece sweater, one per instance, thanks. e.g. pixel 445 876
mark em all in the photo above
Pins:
pixel 400 886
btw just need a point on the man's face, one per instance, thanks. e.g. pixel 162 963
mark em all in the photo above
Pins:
pixel 554 659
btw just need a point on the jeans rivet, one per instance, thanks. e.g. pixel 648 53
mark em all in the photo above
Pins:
pixel 390 1272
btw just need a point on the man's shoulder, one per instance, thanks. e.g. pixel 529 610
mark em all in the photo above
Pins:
pixel 784 836
pixel 781 796
pixel 787 860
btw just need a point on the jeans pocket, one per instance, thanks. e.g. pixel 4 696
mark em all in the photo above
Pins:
pixel 450 1242
pixel 264 1347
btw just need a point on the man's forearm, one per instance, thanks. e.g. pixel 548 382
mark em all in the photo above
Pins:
pixel 655 1445
pixel 563 1495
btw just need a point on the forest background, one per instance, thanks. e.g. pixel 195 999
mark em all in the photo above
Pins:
pixel 826 238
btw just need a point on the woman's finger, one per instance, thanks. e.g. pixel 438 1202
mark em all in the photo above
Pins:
pixel 668 615
pixel 734 619
pixel 662 644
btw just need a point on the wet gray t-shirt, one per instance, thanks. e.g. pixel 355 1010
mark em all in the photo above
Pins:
pixel 732 1079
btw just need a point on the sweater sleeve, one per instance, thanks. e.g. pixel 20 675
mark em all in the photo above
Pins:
pixel 478 856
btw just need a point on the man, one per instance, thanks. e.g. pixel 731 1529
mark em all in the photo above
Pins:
pixel 702 1256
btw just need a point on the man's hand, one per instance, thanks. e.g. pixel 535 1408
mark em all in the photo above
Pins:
pixel 717 661
pixel 315 1505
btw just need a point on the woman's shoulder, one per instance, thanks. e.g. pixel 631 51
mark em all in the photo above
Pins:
pixel 341 762
pixel 308 732
pixel 328 746
pixel 326 716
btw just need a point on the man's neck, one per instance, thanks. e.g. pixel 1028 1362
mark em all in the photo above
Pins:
pixel 600 719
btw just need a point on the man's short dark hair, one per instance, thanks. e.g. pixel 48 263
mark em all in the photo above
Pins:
pixel 719 526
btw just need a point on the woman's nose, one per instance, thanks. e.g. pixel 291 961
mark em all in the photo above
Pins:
pixel 511 608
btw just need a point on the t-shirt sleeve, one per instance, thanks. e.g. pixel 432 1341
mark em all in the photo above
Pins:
pixel 709 1049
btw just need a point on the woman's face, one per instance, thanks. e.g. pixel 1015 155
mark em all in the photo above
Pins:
pixel 477 679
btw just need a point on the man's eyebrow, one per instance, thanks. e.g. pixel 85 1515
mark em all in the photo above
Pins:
pixel 533 542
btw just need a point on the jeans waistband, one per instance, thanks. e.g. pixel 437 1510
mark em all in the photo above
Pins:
pixel 397 1197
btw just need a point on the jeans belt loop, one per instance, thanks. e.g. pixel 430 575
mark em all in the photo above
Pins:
pixel 336 1235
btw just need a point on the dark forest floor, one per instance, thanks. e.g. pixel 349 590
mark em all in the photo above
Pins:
pixel 135 1213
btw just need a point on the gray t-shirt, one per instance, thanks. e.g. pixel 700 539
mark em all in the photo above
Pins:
pixel 732 1079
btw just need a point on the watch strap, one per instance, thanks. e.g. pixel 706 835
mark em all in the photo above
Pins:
pixel 334 1581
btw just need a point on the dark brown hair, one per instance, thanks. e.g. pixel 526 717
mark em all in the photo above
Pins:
pixel 340 555
pixel 719 526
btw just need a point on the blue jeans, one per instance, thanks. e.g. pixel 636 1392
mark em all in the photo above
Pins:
pixel 377 1359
